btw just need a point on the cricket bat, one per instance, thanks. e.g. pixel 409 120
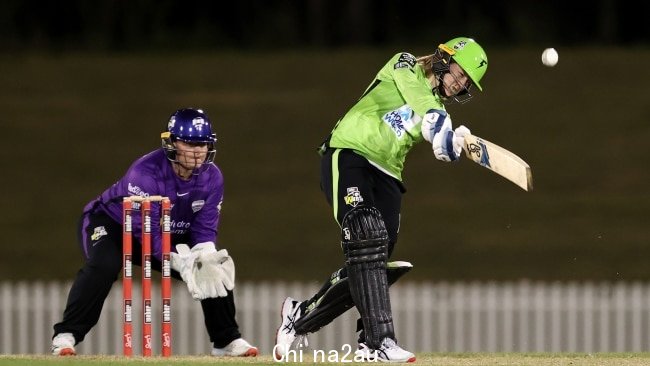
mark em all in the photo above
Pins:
pixel 499 160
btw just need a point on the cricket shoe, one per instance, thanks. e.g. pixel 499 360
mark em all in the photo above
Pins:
pixel 237 348
pixel 389 351
pixel 286 334
pixel 63 345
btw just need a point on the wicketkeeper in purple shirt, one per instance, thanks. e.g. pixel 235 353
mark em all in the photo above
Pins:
pixel 184 171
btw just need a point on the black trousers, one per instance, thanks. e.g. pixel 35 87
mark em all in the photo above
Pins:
pixel 348 180
pixel 101 243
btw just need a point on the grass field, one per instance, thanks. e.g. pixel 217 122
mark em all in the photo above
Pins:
pixel 464 359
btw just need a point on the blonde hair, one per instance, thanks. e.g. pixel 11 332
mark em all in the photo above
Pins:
pixel 426 63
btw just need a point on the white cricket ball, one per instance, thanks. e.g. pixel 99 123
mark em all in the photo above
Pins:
pixel 550 57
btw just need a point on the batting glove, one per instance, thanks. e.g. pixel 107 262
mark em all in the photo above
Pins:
pixel 459 139
pixel 436 128
pixel 433 122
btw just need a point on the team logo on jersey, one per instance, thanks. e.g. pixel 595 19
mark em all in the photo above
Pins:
pixel 197 205
pixel 353 197
pixel 98 233
pixel 401 120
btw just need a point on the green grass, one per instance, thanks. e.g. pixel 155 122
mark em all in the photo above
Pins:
pixel 437 359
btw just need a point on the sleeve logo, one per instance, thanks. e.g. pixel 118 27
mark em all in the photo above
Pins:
pixel 406 60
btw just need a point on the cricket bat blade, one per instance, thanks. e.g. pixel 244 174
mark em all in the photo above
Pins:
pixel 499 160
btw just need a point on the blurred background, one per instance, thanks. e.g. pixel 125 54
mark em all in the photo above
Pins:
pixel 86 88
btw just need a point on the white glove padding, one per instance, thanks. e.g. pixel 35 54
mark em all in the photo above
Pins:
pixel 213 274
pixel 459 139
pixel 433 122
pixel 205 247
pixel 183 262
pixel 443 146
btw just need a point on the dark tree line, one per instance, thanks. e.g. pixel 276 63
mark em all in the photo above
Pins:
pixel 125 25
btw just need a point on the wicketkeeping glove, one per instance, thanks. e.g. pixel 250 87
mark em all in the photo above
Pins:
pixel 183 262
pixel 214 272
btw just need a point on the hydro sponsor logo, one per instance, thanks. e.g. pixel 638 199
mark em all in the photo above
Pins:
pixel 180 227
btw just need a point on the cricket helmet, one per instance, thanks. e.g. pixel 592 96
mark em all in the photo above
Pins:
pixel 188 125
pixel 469 55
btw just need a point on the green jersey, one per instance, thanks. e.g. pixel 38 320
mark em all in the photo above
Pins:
pixel 386 121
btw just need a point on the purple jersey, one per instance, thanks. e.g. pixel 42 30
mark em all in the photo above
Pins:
pixel 196 203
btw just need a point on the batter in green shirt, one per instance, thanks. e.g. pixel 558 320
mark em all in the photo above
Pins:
pixel 361 173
